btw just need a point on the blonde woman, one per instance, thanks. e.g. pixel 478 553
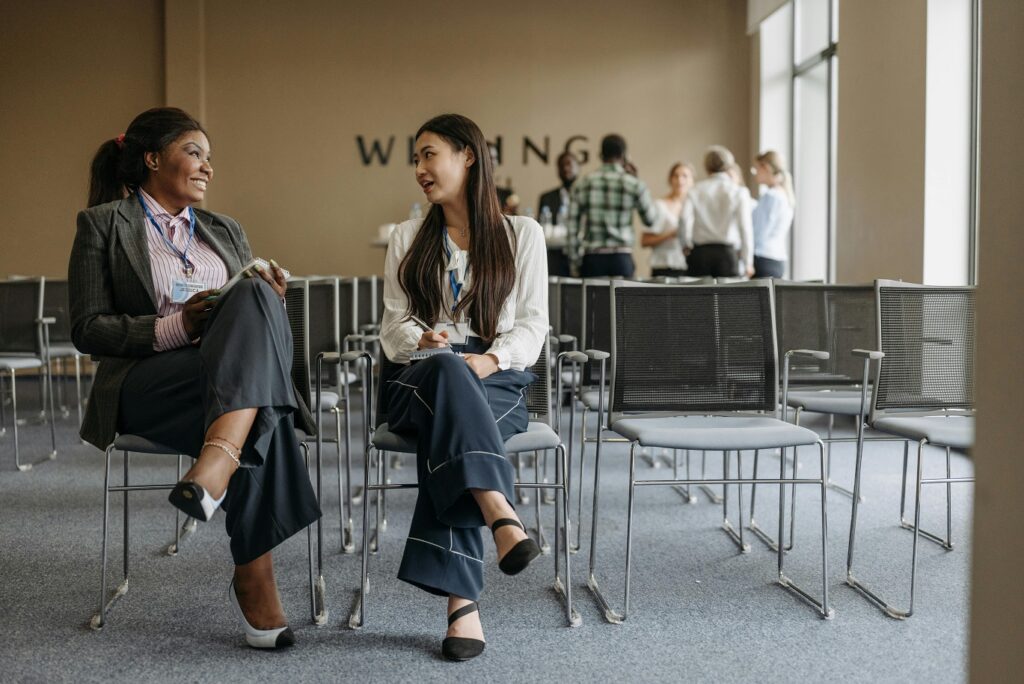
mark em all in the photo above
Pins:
pixel 717 209
pixel 663 237
pixel 773 215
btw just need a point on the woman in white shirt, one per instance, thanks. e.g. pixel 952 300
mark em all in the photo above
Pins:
pixel 716 209
pixel 773 215
pixel 663 237
pixel 469 280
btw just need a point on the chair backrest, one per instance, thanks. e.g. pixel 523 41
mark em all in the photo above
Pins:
pixel 554 303
pixel 538 393
pixel 927 334
pixel 323 322
pixel 366 302
pixel 597 322
pixel 570 307
pixel 55 305
pixel 681 349
pixel 378 300
pixel 296 299
pixel 21 305
pixel 832 318
pixel 348 308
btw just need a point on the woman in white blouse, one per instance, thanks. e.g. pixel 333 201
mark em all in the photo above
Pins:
pixel 468 280
pixel 663 237
pixel 716 210
pixel 773 215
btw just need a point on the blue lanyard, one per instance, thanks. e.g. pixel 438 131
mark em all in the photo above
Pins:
pixel 186 266
pixel 456 286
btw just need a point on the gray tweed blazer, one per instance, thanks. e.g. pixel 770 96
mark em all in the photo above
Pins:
pixel 112 302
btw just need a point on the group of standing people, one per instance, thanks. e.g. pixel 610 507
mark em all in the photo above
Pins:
pixel 712 227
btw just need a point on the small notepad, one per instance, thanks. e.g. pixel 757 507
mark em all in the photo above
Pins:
pixel 421 354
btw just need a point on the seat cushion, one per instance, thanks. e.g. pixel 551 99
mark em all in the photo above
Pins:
pixel 385 440
pixel 538 437
pixel 590 398
pixel 64 350
pixel 19 362
pixel 141 445
pixel 715 433
pixel 956 432
pixel 328 400
pixel 837 402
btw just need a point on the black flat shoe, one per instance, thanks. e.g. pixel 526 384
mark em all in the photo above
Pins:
pixel 516 560
pixel 460 648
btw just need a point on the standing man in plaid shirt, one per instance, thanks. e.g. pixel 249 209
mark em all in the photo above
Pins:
pixel 601 213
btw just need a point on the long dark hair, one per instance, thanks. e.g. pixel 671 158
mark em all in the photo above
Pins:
pixel 119 166
pixel 422 272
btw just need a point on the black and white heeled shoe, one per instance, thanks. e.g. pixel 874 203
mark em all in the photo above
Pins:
pixel 279 637
pixel 194 501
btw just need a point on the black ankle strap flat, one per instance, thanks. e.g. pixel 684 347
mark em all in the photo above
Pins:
pixel 516 560
pixel 461 648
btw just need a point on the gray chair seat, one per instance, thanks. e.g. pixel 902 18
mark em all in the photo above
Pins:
pixel 141 445
pixel 64 350
pixel 590 399
pixel 328 400
pixel 567 377
pixel 19 362
pixel 837 402
pixel 956 432
pixel 714 433
pixel 538 437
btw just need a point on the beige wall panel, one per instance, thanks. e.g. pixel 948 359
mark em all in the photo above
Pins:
pixel 880 156
pixel 289 87
pixel 997 602
pixel 72 74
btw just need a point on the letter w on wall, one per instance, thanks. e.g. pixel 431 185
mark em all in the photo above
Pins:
pixel 376 150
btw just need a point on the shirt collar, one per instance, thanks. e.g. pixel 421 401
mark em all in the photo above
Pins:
pixel 613 167
pixel 158 211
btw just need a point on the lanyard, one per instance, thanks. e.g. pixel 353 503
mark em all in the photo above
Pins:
pixel 186 266
pixel 456 286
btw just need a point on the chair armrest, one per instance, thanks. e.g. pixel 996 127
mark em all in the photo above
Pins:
pixel 811 353
pixel 46 320
pixel 574 357
pixel 597 354
pixel 370 339
pixel 868 354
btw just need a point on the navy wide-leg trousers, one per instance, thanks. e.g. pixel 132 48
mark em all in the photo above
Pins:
pixel 460 424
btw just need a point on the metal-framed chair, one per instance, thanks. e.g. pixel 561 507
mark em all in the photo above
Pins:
pixel 923 393
pixel 24 345
pixel 695 367
pixel 539 437
pixel 61 349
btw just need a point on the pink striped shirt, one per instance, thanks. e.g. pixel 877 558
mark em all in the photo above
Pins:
pixel 167 267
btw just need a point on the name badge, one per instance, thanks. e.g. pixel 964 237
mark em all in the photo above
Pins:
pixel 457 332
pixel 182 290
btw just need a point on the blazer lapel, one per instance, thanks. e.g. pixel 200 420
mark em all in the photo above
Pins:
pixel 131 230
pixel 219 241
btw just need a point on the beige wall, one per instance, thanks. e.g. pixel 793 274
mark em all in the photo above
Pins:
pixel 72 74
pixel 997 602
pixel 881 142
pixel 286 87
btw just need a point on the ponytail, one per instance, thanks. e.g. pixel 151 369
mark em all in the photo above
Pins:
pixel 104 185
pixel 787 187
pixel 777 165
pixel 119 166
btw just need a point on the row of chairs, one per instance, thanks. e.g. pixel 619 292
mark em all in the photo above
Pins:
pixel 698 350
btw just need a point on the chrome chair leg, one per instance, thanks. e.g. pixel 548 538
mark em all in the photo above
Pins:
pixel 357 618
pixel 78 388
pixel 609 614
pixel 23 467
pixel 822 606
pixel 563 587
pixel 727 526
pixel 583 462
pixel 545 548
pixel 181 531
pixel 99 618
pixel 687 495
pixel 947 542
pixel 708 492
pixel 521 496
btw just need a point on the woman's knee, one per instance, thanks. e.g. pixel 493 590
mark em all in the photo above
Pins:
pixel 447 364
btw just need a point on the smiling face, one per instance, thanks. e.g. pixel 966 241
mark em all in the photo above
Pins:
pixel 441 170
pixel 180 173
pixel 681 179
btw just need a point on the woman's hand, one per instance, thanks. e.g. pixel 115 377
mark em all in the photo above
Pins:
pixel 482 364
pixel 196 311
pixel 432 340
pixel 274 277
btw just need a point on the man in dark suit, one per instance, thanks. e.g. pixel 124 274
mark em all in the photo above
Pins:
pixel 554 200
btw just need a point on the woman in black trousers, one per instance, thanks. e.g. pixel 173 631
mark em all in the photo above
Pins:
pixel 205 373
pixel 468 280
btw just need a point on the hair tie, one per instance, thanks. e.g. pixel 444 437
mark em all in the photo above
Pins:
pixel 120 141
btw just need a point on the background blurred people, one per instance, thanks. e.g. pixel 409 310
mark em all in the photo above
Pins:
pixel 715 208
pixel 663 238
pixel 601 214
pixel 773 215
pixel 557 203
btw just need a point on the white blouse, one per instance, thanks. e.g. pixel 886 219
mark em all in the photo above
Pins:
pixel 716 212
pixel 523 320
pixel 667 254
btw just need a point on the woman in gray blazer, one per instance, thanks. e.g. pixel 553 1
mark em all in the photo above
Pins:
pixel 181 364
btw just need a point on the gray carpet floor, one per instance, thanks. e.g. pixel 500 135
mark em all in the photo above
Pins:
pixel 700 611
